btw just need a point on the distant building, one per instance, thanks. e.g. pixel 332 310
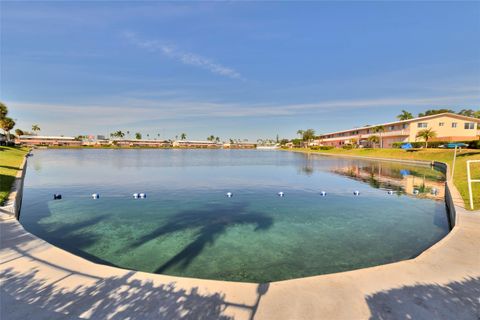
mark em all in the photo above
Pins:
pixel 47 141
pixel 141 143
pixel 447 126
pixel 101 137
pixel 197 144
pixel 240 145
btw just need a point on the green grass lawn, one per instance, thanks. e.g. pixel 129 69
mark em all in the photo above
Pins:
pixel 460 175
pixel 11 159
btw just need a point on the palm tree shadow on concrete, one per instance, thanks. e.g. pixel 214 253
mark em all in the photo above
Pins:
pixel 211 222
pixel 25 295
pixel 47 290
pixel 455 300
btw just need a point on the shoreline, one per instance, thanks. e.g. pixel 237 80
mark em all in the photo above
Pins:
pixel 301 298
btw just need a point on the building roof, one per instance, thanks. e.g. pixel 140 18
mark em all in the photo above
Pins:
pixel 47 137
pixel 139 140
pixel 198 141
pixel 454 115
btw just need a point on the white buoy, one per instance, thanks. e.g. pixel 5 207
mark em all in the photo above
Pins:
pixel 281 194
pixel 390 192
pixel 356 193
pixel 95 196
pixel 323 193
pixel 416 192
pixel 135 195
pixel 142 195
pixel 229 194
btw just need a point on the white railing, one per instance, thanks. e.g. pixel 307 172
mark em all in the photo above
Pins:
pixel 470 180
pixel 366 135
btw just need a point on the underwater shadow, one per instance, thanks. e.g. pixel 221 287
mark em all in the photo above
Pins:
pixel 455 300
pixel 211 222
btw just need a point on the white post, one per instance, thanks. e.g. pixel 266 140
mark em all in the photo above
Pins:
pixel 469 181
pixel 453 165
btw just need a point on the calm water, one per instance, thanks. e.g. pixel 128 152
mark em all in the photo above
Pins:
pixel 188 227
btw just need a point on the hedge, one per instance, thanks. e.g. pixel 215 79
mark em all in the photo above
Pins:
pixel 475 144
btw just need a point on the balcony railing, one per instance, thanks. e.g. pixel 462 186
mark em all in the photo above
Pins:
pixel 404 132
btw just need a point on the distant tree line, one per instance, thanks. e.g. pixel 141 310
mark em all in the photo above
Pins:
pixel 405 115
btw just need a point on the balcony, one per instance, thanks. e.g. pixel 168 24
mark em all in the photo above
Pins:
pixel 394 133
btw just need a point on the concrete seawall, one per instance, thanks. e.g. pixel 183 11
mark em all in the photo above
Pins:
pixel 41 281
pixel 13 204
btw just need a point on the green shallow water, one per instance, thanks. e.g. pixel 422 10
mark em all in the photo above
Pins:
pixel 188 227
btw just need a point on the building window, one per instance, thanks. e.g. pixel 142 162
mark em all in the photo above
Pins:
pixel 469 125
pixel 454 124
pixel 422 125
pixel 404 126
pixel 441 124
pixel 392 128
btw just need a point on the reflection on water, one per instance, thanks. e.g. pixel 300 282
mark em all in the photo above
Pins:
pixel 188 227
pixel 404 179
pixel 400 180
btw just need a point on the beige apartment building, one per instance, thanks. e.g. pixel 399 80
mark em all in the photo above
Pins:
pixel 47 141
pixel 448 127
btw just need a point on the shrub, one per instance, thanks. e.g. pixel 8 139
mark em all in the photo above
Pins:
pixel 475 144
pixel 348 146
pixel 325 147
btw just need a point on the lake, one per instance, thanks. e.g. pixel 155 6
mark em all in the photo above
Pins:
pixel 187 226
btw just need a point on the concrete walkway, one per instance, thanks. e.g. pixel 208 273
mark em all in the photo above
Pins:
pixel 40 281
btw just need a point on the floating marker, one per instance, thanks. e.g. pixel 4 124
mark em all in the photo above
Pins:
pixel 415 191
pixel 356 193
pixel 280 194
pixel 390 192
pixel 142 195
pixel 229 194
pixel 95 196
pixel 135 195
pixel 57 196
pixel 323 193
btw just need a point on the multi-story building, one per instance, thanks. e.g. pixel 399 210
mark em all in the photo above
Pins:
pixel 141 143
pixel 197 144
pixel 48 141
pixel 240 145
pixel 447 126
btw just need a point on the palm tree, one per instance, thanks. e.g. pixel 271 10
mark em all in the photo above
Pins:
pixel 211 138
pixel 373 140
pixel 3 111
pixel 300 132
pixel 379 129
pixel 426 134
pixel 217 139
pixel 183 136
pixel 117 134
pixel 138 136
pixel 405 115
pixel 19 132
pixel 7 124
pixel 128 134
pixel 35 128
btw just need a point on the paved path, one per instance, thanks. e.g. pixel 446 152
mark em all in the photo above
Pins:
pixel 40 281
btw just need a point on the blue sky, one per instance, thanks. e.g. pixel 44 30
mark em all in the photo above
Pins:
pixel 234 69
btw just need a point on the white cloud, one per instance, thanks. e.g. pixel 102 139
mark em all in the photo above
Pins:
pixel 187 58
pixel 70 119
